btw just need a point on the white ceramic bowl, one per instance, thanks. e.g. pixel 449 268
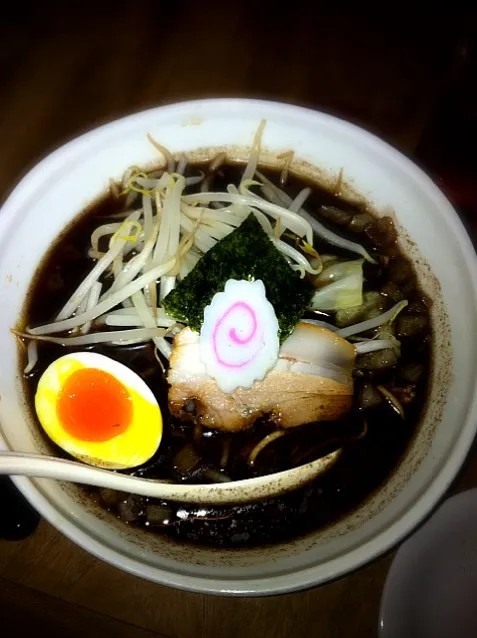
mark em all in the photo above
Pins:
pixel 63 183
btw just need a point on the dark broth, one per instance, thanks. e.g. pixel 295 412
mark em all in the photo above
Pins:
pixel 373 439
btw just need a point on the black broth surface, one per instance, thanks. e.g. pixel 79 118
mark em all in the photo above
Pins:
pixel 373 436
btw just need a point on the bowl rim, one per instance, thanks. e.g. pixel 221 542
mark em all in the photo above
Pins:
pixel 385 539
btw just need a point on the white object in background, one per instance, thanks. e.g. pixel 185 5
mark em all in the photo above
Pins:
pixel 431 588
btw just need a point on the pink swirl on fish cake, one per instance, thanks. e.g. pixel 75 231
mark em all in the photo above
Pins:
pixel 239 336
pixel 233 334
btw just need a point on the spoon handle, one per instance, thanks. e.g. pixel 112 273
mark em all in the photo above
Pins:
pixel 41 466
pixel 243 491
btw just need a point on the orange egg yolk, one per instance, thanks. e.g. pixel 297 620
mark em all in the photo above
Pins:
pixel 94 406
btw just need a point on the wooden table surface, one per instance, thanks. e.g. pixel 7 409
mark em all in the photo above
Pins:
pixel 64 70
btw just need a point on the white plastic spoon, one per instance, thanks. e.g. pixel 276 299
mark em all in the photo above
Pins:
pixel 244 491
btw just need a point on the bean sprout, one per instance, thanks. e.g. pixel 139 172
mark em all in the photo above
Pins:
pixel 32 354
pixel 364 326
pixel 392 400
pixel 254 156
pixel 120 337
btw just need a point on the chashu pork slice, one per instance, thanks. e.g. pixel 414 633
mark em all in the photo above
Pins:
pixel 311 381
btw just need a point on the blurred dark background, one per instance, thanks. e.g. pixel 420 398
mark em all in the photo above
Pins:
pixel 406 71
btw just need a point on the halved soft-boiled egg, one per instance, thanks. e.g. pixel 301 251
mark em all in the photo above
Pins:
pixel 99 411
